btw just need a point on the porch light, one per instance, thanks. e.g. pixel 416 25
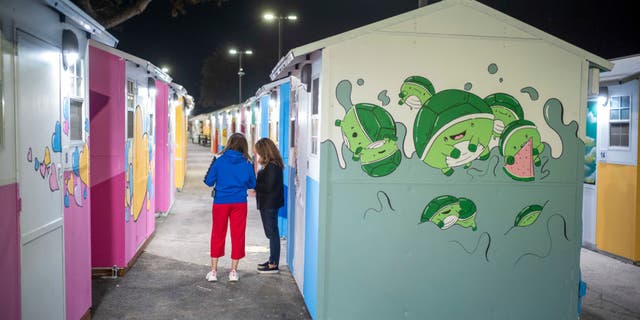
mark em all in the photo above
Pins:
pixel 69 48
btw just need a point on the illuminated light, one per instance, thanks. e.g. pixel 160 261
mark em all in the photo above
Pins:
pixel 269 16
pixel 292 17
pixel 249 52
pixel 272 103
pixel 602 100
pixel 87 27
pixel 71 58
pixel 233 51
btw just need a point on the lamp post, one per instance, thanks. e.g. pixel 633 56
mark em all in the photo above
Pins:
pixel 270 17
pixel 240 53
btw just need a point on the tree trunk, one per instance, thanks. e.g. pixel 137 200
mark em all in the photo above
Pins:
pixel 131 11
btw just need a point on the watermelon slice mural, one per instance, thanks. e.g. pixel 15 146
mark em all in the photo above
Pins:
pixel 521 147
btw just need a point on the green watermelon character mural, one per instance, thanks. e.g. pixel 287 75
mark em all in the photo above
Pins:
pixel 447 211
pixel 452 129
pixel 415 91
pixel 521 147
pixel 505 108
pixel 369 132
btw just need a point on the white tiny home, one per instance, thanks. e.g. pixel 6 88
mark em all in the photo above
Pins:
pixel 438 163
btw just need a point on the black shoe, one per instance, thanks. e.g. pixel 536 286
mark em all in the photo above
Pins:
pixel 268 269
pixel 264 264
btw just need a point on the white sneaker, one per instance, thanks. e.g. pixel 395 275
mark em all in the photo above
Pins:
pixel 212 276
pixel 233 276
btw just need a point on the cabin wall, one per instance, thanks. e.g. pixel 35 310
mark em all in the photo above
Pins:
pixel 9 221
pixel 371 211
pixel 107 82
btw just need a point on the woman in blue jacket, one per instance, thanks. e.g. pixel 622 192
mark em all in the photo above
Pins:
pixel 232 174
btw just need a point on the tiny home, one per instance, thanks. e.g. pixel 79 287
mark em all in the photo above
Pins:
pixel 181 106
pixel 44 149
pixel 123 136
pixel 442 147
pixel 611 202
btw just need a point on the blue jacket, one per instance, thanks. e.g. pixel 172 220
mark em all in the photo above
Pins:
pixel 232 175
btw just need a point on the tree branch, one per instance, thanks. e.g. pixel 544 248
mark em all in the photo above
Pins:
pixel 135 9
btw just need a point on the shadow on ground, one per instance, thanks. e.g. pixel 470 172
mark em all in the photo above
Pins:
pixel 162 288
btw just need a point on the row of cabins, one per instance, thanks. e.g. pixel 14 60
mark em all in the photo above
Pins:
pixel 93 146
pixel 439 154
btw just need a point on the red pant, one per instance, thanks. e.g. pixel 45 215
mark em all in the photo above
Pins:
pixel 237 214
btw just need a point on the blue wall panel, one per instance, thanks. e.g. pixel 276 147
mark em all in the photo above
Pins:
pixel 264 116
pixel 283 144
pixel 310 288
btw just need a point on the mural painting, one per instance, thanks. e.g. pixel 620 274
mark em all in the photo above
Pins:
pixel 590 155
pixel 139 168
pixel 461 137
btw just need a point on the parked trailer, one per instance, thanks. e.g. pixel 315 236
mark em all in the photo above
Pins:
pixel 44 149
pixel 446 141
pixel 611 160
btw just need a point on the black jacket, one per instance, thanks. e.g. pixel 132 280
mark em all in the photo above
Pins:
pixel 269 188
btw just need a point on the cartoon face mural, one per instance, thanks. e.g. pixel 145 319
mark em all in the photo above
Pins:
pixel 369 132
pixel 447 211
pixel 380 158
pixel 521 146
pixel 415 91
pixel 452 129
pixel 505 108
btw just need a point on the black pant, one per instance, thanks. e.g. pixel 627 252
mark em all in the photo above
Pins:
pixel 270 224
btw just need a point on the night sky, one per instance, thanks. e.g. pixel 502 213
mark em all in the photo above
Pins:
pixel 605 28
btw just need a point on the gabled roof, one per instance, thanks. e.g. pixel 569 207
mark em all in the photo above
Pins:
pixel 83 21
pixel 152 69
pixel 267 87
pixel 625 69
pixel 297 54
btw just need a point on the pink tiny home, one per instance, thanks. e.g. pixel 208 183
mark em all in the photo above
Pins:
pixel 125 110
pixel 44 150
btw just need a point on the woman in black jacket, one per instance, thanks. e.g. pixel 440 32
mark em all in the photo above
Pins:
pixel 270 198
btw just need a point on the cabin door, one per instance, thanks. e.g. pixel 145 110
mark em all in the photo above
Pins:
pixel 40 170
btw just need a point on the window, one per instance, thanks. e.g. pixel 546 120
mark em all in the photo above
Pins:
pixel 75 74
pixel 75 121
pixel 314 115
pixel 132 90
pixel 151 125
pixel 619 116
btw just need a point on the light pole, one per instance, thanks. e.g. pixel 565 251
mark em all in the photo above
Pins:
pixel 240 53
pixel 270 17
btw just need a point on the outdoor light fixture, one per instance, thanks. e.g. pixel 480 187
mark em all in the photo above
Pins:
pixel 603 97
pixel 151 85
pixel 69 48
pixel 165 69
pixel 241 73
pixel 269 16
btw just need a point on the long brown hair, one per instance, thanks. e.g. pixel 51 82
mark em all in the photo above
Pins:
pixel 268 152
pixel 238 142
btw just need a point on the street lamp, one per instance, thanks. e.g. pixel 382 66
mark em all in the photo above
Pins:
pixel 240 53
pixel 270 17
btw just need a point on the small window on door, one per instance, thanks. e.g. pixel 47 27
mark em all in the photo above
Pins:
pixel 75 120
pixel 315 105
pixel 292 133
pixel 1 93
pixel 151 124
pixel 130 117
pixel 619 118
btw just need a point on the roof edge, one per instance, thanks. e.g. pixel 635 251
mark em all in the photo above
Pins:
pixel 84 21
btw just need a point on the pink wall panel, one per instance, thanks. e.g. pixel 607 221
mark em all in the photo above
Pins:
pixel 10 253
pixel 77 247
pixel 163 187
pixel 107 121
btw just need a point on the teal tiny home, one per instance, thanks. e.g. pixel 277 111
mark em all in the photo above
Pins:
pixel 436 166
